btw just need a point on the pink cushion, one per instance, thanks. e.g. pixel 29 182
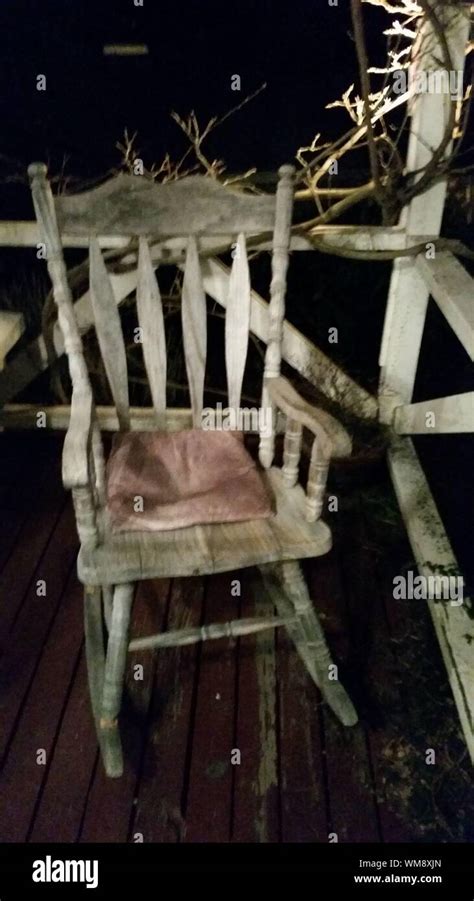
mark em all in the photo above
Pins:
pixel 185 478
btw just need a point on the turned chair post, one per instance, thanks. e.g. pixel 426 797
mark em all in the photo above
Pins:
pixel 276 310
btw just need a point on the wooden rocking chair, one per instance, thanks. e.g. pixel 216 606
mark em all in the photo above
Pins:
pixel 172 222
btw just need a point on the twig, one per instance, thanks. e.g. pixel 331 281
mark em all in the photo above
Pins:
pixel 365 87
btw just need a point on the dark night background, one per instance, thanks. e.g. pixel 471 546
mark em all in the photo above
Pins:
pixel 303 50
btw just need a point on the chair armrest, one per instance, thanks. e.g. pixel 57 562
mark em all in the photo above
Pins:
pixel 75 462
pixel 333 439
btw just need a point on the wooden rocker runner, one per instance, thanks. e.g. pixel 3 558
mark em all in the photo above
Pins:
pixel 192 502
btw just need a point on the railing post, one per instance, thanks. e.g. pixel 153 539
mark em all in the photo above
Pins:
pixel 408 294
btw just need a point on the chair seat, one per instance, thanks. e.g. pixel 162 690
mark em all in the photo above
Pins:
pixel 159 481
pixel 207 549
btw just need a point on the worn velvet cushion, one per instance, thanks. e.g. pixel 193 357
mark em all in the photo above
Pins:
pixel 158 481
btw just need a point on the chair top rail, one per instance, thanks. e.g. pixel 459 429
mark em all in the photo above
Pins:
pixel 135 205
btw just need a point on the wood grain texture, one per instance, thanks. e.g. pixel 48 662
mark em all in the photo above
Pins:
pixel 302 789
pixel 208 801
pixel 110 802
pixel 77 441
pixel 280 256
pixel 287 587
pixel 255 795
pixel 22 779
pixel 409 288
pixel 67 782
pixel 142 419
pixel 150 318
pixel 212 548
pixel 193 313
pixel 237 322
pixel 452 288
pixel 332 436
pixel 160 808
pixel 109 332
pixel 234 628
pixel 292 451
pixel 12 326
pixel 34 541
pixel 114 673
pixel 135 205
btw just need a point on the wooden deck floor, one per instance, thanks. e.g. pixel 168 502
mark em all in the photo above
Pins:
pixel 301 777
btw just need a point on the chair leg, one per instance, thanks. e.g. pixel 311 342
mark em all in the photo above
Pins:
pixel 114 674
pixel 287 586
pixel 106 671
pixel 108 601
pixel 95 655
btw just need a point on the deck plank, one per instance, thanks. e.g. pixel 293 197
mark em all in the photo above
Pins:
pixel 302 786
pixel 159 813
pixel 110 802
pixel 40 718
pixel 208 803
pixel 352 810
pixel 256 813
pixel 19 568
pixel 383 703
pixel 59 813
pixel 25 642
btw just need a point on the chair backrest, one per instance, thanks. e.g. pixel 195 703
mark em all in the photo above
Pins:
pixel 192 208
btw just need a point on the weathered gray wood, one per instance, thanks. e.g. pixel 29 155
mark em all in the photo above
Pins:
pixel 193 312
pixel 135 205
pixel 114 671
pixel 434 555
pixel 409 289
pixel 333 437
pixel 150 318
pixel 452 288
pixel 280 255
pixel 95 656
pixel 94 647
pixel 75 462
pixel 19 233
pixel 109 333
pixel 208 549
pixel 237 322
pixel 86 516
pixel 98 460
pixel 317 478
pixel 233 629
pixel 12 326
pixel 142 419
pixel 292 451
pixel 123 558
pixel 453 414
pixel 287 587
pixel 297 350
pixel 107 603
pixel 46 214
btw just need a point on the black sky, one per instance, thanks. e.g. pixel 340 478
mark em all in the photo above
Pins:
pixel 302 50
